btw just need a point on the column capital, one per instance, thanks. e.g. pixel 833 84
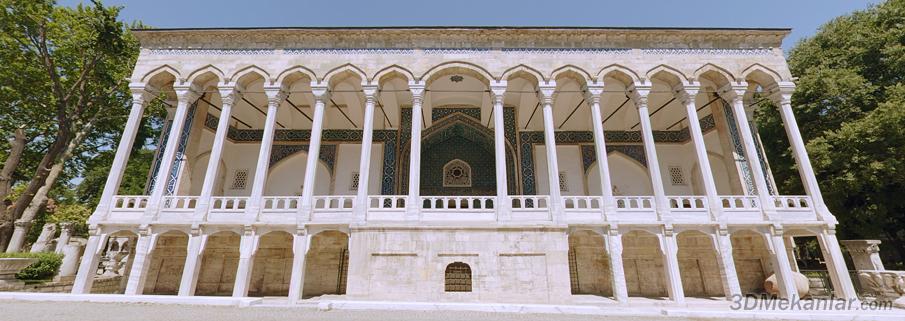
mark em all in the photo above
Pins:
pixel 187 94
pixel 546 92
pixel 593 92
pixel 687 94
pixel 370 91
pixel 275 95
pixel 320 92
pixel 498 89
pixel 228 94
pixel 781 93
pixel 417 90
pixel 731 92
pixel 141 94
pixel 639 93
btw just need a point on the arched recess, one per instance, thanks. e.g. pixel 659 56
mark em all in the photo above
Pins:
pixel 459 136
pixel 643 264
pixel 167 262
pixel 219 264
pixel 286 176
pixel 457 67
pixel 198 171
pixel 699 265
pixel 721 176
pixel 629 177
pixel 752 260
pixel 272 267
pixel 326 264
pixel 589 264
pixel 116 258
pixel 457 277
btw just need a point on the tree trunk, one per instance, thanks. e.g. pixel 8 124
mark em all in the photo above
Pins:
pixel 17 146
pixel 40 197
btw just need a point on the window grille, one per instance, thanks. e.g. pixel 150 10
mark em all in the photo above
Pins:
pixel 676 175
pixel 456 173
pixel 240 179
pixel 458 277
pixel 563 182
pixel 355 178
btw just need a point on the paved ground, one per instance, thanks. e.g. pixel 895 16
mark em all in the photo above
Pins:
pixel 83 311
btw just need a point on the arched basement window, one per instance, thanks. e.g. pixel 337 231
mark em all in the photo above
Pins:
pixel 456 173
pixel 458 277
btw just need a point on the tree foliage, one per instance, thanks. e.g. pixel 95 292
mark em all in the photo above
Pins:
pixel 849 104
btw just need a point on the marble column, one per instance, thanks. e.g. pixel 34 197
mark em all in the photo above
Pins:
pixel 65 236
pixel 364 165
pixel 546 99
pixel 687 97
pixel 735 94
pixel 299 253
pixel 141 96
pixel 413 204
pixel 781 266
pixel 501 204
pixel 321 95
pixel 247 248
pixel 670 250
pixel 228 96
pixel 88 267
pixel 603 166
pixel 192 267
pixel 275 96
pixel 141 262
pixel 614 250
pixel 722 242
pixel 186 95
pixel 640 94
pixel 835 265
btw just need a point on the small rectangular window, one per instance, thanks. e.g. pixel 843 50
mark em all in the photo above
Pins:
pixel 563 182
pixel 676 175
pixel 355 178
pixel 240 179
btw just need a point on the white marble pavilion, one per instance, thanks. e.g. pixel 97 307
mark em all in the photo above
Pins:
pixel 476 164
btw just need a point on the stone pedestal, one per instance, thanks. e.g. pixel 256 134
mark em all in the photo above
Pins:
pixel 71 254
pixel 8 269
pixel 865 254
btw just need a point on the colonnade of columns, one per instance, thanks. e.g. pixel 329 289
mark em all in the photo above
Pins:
pixel 186 95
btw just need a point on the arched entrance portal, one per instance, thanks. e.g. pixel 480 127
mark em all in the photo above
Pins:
pixel 457 158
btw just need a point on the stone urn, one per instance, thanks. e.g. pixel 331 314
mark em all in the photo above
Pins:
pixel 10 266
pixel 801 284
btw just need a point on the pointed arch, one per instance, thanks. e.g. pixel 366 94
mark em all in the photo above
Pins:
pixel 618 72
pixel 248 70
pixel 344 69
pixel 761 75
pixel 716 75
pixel 523 71
pixel 204 75
pixel 457 67
pixel 164 71
pixel 390 72
pixel 289 76
pixel 672 76
pixel 571 71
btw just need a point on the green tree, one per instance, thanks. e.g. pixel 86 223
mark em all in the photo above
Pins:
pixel 849 104
pixel 64 69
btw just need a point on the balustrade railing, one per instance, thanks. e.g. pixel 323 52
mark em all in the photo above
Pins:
pixel 793 202
pixel 386 202
pixel 286 204
pixel 586 203
pixel 334 203
pixel 130 202
pixel 180 203
pixel 687 203
pixel 634 203
pixel 739 202
pixel 529 202
pixel 475 203
pixel 228 203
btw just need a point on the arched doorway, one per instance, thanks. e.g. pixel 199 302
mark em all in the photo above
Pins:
pixel 326 264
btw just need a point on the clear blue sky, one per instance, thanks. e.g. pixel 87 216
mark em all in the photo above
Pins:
pixel 803 16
